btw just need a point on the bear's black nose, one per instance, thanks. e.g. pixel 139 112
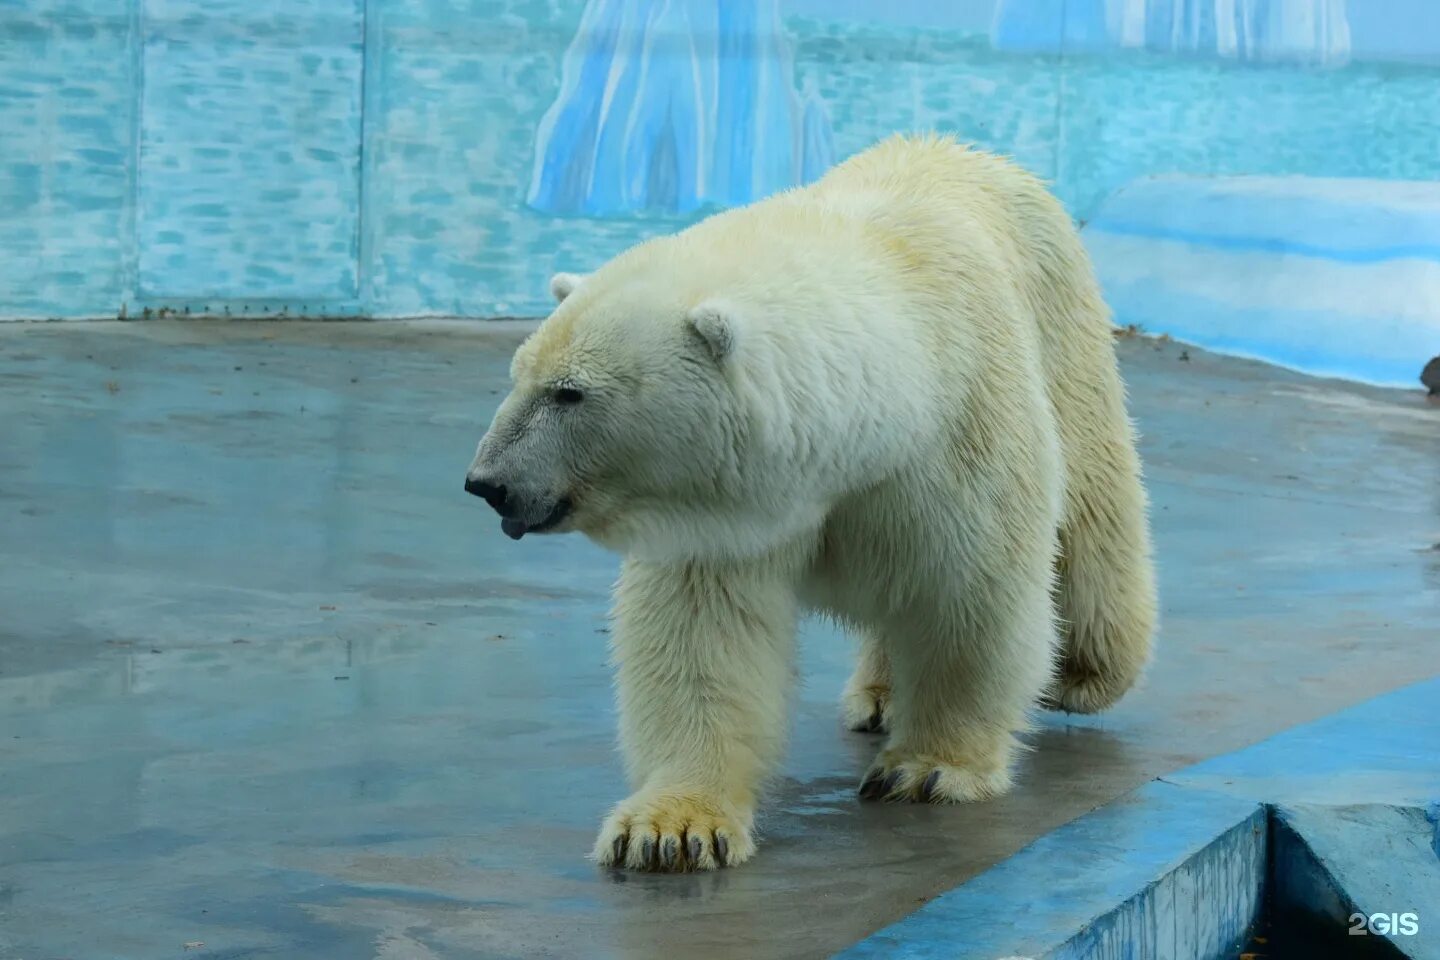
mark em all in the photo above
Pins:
pixel 491 493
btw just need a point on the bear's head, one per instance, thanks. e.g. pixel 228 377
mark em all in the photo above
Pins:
pixel 622 422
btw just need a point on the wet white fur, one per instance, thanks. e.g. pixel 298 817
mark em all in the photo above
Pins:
pixel 891 398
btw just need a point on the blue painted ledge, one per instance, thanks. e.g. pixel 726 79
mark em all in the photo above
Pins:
pixel 1160 867
pixel 1385 750
pixel 1333 817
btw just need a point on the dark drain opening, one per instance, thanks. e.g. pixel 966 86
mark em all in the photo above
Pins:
pixel 1311 913
pixel 1304 936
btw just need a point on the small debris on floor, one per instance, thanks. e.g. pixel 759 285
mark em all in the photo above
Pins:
pixel 1184 356
pixel 194 944
pixel 345 677
pixel 326 606
pixel 1430 376
pixel 112 386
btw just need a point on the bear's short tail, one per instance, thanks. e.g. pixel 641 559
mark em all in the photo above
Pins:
pixel 1106 578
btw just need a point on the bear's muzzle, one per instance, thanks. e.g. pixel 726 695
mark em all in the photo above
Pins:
pixel 519 514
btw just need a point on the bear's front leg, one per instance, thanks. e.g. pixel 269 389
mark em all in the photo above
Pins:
pixel 704 653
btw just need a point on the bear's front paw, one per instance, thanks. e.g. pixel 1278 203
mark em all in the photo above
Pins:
pixel 926 779
pixel 673 832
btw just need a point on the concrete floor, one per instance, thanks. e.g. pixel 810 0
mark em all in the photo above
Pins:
pixel 270 682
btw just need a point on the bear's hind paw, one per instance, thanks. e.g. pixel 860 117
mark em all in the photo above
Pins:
pixel 1085 692
pixel 928 781
pixel 864 708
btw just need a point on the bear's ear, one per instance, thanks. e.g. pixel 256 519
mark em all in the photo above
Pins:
pixel 714 321
pixel 564 284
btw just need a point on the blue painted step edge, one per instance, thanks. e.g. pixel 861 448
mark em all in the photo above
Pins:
pixel 1165 871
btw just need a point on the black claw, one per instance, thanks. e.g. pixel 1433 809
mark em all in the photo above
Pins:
pixel 618 850
pixel 722 849
pixel 889 784
pixel 696 847
pixel 927 790
pixel 647 852
pixel 669 850
pixel 870 787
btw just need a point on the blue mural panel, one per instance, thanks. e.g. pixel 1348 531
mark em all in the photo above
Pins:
pixel 506 139
pixel 250 149
pixel 67 79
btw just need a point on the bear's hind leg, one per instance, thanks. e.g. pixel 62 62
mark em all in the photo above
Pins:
pixel 964 683
pixel 1107 587
pixel 866 699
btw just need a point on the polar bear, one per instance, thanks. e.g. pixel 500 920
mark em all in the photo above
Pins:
pixel 890 398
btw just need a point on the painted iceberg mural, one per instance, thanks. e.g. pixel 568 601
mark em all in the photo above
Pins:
pixel 1314 32
pixel 671 105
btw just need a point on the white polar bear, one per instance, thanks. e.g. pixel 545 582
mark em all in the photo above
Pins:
pixel 891 398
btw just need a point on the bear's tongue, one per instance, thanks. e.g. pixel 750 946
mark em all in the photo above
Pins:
pixel 514 529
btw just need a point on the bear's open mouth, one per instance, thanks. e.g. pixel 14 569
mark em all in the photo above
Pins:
pixel 516 528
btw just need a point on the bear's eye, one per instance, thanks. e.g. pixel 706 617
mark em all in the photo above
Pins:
pixel 568 396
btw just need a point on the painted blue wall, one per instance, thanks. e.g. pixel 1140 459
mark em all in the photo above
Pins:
pixel 407 157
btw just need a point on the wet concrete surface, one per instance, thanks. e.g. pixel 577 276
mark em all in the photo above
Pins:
pixel 271 683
